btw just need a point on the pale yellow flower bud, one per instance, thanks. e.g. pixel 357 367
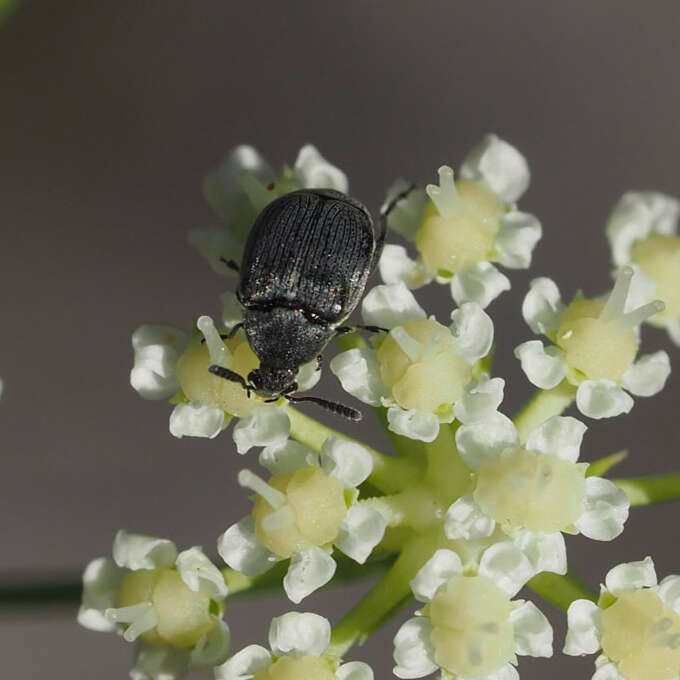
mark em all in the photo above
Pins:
pixel 302 668
pixel 659 258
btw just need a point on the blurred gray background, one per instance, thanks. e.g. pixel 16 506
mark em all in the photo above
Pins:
pixel 110 112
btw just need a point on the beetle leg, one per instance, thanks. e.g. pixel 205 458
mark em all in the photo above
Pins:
pixel 319 361
pixel 233 331
pixel 231 264
pixel 341 330
pixel 375 329
pixel 227 374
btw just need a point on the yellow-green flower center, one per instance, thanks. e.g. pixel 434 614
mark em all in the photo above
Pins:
pixel 471 630
pixel 596 348
pixel 419 363
pixel 642 636
pixel 183 615
pixel 659 258
pixel 523 490
pixel 201 386
pixel 314 508
pixel 455 242
pixel 302 668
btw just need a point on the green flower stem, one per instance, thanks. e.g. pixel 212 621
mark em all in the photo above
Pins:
pixel 599 468
pixel 389 474
pixel 387 595
pixel 561 590
pixel 543 405
pixel 647 490
pixel 447 475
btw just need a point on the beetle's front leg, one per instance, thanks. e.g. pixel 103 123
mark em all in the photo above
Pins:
pixel 341 330
pixel 228 374
pixel 319 361
pixel 232 264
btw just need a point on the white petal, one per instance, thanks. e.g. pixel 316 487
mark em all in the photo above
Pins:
pixel 544 366
pixel 583 634
pixel 533 632
pixel 101 581
pixel 482 283
pixel 217 244
pixel 308 571
pixel 473 329
pixel 244 664
pixel 354 670
pixel 559 436
pixel 134 551
pixel 232 311
pixel 395 266
pixel 602 399
pixel 390 306
pixel 299 634
pixel 648 374
pixel 158 662
pixel 635 216
pixel 631 576
pixel 406 215
pixel 200 574
pixel 507 566
pixel 413 652
pixel 281 459
pixel 505 672
pixel 480 399
pixel 642 289
pixel 361 530
pixel 542 306
pixel 195 420
pixel 500 165
pixel 546 550
pixel 605 510
pixel 673 329
pixel 517 238
pixel 435 573
pixel 308 376
pixel 669 592
pixel 265 426
pixel 465 520
pixel 347 461
pixel 212 648
pixel 413 424
pixel 486 439
pixel 608 671
pixel 315 172
pixel 239 548
pixel 358 371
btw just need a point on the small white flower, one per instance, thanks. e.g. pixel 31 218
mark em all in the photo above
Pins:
pixel 595 345
pixel 240 187
pixel 465 226
pixel 470 627
pixel 421 371
pixel 299 643
pixel 307 507
pixel 533 492
pixel 636 623
pixel 164 600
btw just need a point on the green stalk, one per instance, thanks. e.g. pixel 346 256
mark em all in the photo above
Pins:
pixel 599 468
pixel 561 590
pixel 543 405
pixel 389 474
pixel 647 490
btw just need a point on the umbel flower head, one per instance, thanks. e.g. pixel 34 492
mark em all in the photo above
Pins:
pixel 636 624
pixel 298 644
pixel 470 627
pixel 169 365
pixel 240 187
pixel 308 506
pixel 171 603
pixel 595 347
pixel 421 370
pixel 535 491
pixel 642 233
pixel 465 226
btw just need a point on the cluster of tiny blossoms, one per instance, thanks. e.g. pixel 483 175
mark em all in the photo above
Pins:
pixel 470 507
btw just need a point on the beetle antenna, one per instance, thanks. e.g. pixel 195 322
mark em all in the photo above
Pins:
pixel 385 211
pixel 332 406
pixel 227 374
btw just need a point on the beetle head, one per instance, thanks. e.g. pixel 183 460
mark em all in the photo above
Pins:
pixel 272 382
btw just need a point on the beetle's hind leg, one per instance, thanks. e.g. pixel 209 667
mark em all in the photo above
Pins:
pixel 232 264
pixel 230 334
pixel 341 330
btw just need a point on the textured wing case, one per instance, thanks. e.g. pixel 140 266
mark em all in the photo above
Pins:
pixel 310 250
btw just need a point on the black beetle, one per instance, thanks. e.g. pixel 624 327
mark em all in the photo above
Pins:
pixel 305 266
